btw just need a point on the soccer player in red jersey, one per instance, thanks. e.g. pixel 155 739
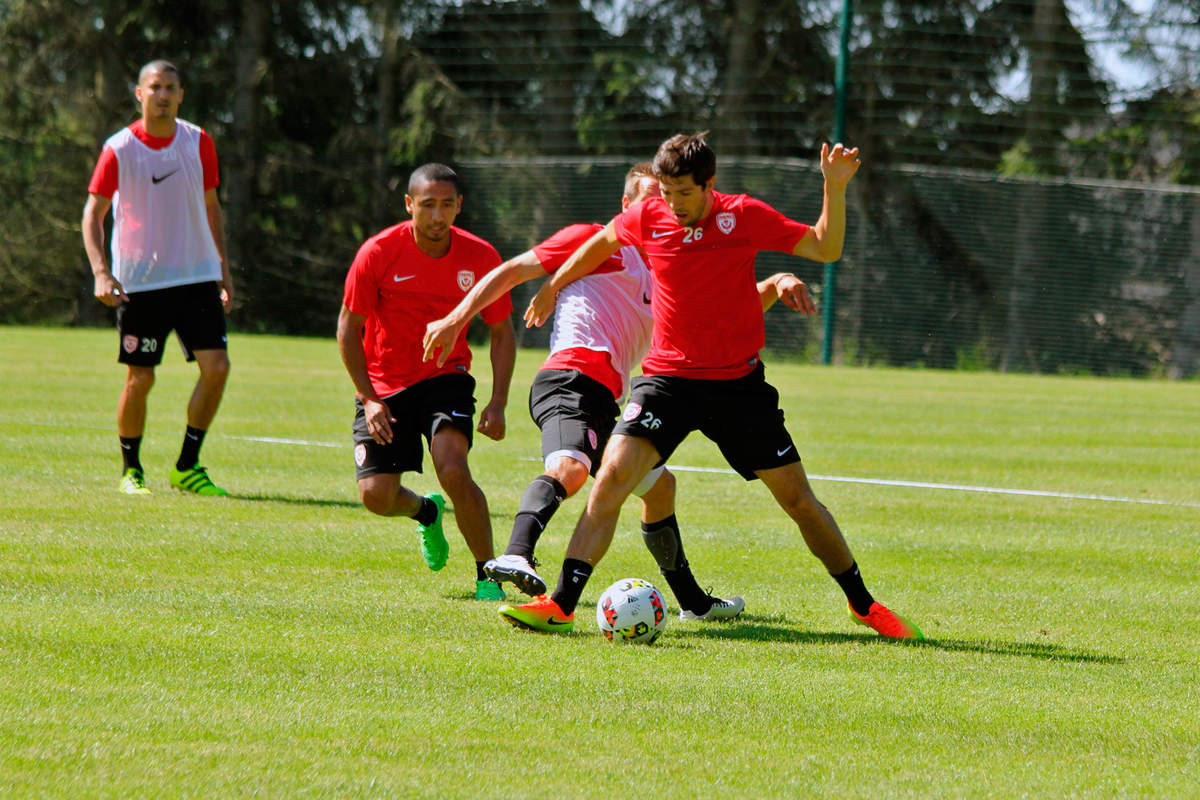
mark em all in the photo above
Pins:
pixel 168 269
pixel 703 370
pixel 602 327
pixel 403 278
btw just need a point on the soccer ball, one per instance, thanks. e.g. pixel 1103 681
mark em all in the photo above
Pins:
pixel 631 610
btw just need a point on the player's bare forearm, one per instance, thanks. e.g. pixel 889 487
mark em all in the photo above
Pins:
pixel 216 226
pixel 788 288
pixel 107 288
pixel 590 255
pixel 825 239
pixel 503 353
pixel 350 346
pixel 441 334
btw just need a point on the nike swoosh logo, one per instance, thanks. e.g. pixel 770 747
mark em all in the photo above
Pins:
pixel 659 234
pixel 552 621
pixel 784 450
pixel 157 179
pixel 458 414
pixel 646 298
pixel 398 279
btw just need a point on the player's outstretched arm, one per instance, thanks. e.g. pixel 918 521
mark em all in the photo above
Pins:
pixel 441 334
pixel 824 240
pixel 503 353
pixel 791 290
pixel 590 255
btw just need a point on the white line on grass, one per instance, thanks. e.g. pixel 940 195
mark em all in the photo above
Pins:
pixel 961 488
pixel 953 487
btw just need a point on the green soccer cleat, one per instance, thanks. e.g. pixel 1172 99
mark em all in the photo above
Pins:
pixel 887 623
pixel 489 590
pixel 539 614
pixel 133 481
pixel 434 547
pixel 196 481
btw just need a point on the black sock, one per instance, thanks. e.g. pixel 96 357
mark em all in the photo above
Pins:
pixel 541 499
pixel 856 592
pixel 479 576
pixel 571 580
pixel 189 456
pixel 131 448
pixel 427 513
pixel 663 540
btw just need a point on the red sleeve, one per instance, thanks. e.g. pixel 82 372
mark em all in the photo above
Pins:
pixel 554 252
pixel 771 230
pixel 628 224
pixel 208 157
pixel 104 177
pixel 361 281
pixel 502 307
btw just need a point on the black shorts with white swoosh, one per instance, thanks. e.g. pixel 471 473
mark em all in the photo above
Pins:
pixel 420 411
pixel 742 416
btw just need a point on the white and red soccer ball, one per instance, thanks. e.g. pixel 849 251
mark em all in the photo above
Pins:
pixel 631 610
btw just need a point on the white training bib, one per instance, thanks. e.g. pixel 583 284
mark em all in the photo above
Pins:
pixel 161 237
pixel 608 312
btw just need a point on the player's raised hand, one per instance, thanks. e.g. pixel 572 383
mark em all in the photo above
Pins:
pixel 541 306
pixel 838 164
pixel 439 340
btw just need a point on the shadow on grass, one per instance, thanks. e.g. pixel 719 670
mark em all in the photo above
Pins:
pixel 317 501
pixel 764 630
pixel 299 501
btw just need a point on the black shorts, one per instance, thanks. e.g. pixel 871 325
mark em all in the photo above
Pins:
pixel 419 410
pixel 575 414
pixel 741 415
pixel 193 311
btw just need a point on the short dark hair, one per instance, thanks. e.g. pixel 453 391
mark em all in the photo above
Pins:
pixel 637 173
pixel 686 155
pixel 432 173
pixel 158 65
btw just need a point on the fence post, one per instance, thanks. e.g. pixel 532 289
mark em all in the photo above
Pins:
pixel 829 284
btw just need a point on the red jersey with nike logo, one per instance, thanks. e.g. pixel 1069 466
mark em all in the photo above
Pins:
pixel 400 290
pixel 708 318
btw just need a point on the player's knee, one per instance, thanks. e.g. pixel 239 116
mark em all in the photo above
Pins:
pixel 800 503
pixel 454 475
pixel 139 380
pixel 570 474
pixel 216 370
pixel 377 499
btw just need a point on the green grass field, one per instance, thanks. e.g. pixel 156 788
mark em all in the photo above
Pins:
pixel 284 642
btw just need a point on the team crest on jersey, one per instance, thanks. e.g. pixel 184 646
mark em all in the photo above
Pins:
pixel 466 279
pixel 360 454
pixel 129 343
pixel 593 439
pixel 632 411
pixel 726 221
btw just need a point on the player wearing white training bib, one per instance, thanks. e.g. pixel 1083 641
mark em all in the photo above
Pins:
pixel 607 314
pixel 160 222
pixel 167 270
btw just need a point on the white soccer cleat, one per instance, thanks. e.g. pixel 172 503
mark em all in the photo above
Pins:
pixel 516 570
pixel 721 610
